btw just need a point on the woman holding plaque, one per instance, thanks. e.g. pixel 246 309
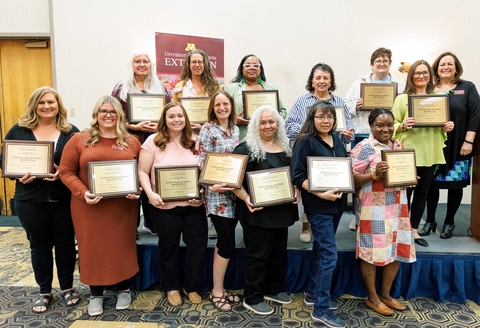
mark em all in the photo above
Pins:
pixel 320 86
pixel 428 142
pixel 43 205
pixel 175 144
pixel 221 135
pixel 141 78
pixel 250 76
pixel 384 236
pixel 323 209
pixel 105 228
pixel 198 77
pixel 265 230
pixel 464 106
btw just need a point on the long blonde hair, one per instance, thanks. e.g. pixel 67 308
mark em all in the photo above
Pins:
pixel 120 129
pixel 30 119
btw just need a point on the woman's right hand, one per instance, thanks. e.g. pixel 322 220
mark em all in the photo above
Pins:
pixel 359 104
pixel 27 178
pixel 240 120
pixel 331 195
pixel 145 126
pixel 91 198
pixel 155 199
pixel 220 188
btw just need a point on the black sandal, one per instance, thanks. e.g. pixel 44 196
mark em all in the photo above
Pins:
pixel 231 297
pixel 219 302
pixel 70 296
pixel 41 302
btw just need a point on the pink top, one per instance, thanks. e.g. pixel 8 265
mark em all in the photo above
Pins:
pixel 173 155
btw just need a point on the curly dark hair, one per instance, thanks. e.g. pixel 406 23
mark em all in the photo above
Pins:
pixel 325 68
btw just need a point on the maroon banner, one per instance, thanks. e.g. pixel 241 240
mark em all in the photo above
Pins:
pixel 172 49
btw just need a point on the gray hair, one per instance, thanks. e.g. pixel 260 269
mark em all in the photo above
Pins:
pixel 152 82
pixel 253 139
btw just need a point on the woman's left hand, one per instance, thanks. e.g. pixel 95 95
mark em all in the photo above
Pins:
pixel 53 176
pixel 347 135
pixel 447 127
pixel 196 126
pixel 466 149
pixel 250 205
pixel 133 196
pixel 150 127
pixel 297 195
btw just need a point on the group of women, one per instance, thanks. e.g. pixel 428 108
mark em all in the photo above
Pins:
pixel 105 228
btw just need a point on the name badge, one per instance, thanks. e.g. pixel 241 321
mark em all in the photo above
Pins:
pixel 458 92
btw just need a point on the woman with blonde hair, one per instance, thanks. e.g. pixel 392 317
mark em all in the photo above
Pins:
pixel 105 228
pixel 43 205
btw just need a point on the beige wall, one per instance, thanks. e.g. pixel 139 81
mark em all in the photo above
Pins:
pixel 24 17
pixel 92 39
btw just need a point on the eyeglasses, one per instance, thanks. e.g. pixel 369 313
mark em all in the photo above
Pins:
pixel 380 62
pixel 418 74
pixel 247 66
pixel 197 62
pixel 105 112
pixel 140 62
pixel 323 117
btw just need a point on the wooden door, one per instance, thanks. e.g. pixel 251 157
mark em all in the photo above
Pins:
pixel 22 71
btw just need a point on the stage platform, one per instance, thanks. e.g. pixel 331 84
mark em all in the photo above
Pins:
pixel 447 270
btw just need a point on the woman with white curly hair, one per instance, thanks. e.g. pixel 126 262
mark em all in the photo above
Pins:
pixel 265 230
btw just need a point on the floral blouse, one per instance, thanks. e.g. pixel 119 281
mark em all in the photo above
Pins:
pixel 214 138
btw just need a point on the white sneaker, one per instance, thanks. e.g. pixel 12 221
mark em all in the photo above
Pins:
pixel 306 236
pixel 353 225
pixel 145 229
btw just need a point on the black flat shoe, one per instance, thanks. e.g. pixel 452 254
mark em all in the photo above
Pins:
pixel 421 242
pixel 427 227
pixel 447 231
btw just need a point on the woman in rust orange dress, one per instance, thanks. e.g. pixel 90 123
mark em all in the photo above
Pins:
pixel 105 228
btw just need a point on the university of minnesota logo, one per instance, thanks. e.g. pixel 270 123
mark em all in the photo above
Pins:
pixel 190 47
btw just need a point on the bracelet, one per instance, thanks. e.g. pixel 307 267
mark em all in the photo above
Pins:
pixel 469 142
pixel 375 176
pixel 403 127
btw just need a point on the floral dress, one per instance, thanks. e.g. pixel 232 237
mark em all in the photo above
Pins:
pixel 214 138
pixel 384 232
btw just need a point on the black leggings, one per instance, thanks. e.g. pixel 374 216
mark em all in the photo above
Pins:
pixel 98 290
pixel 49 226
pixel 225 228
pixel 420 192
pixel 454 199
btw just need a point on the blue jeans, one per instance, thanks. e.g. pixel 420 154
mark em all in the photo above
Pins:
pixel 324 258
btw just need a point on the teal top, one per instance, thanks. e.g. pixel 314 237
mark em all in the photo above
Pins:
pixel 428 142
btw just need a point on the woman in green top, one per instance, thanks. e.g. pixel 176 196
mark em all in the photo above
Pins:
pixel 428 142
pixel 250 76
